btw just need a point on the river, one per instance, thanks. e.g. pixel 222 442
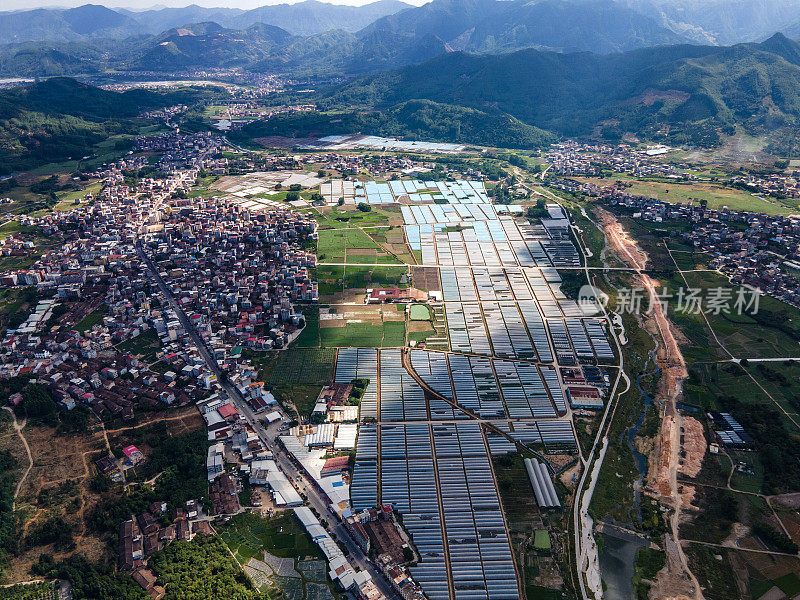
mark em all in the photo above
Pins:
pixel 618 553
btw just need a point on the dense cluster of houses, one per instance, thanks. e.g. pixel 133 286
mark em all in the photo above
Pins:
pixel 96 305
pixel 201 150
pixel 577 158
pixel 164 114
pixel 243 111
pixel 777 185
pixel 236 274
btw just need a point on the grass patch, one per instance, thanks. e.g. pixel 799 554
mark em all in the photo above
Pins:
pixel 145 345
pixel 93 318
pixel 420 312
pixel 541 540
pixel 248 535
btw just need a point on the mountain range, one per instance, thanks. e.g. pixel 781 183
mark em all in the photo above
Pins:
pixel 684 93
pixel 87 41
pixel 562 25
pixel 512 72
pixel 58 119
pixel 681 94
pixel 722 22
pixel 317 39
pixel 93 21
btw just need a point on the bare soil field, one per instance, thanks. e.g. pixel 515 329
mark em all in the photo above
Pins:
pixel 426 278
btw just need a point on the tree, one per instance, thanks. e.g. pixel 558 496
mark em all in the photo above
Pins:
pixel 75 420
pixel 364 207
pixel 292 196
pixel 202 569
pixel 38 402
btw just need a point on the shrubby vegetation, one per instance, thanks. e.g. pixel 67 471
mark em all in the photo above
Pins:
pixel 777 539
pixel 180 460
pixel 9 539
pixel 202 569
pixel 779 450
pixel 90 581
pixel 52 531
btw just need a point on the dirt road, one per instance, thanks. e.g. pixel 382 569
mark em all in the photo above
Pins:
pixel 18 427
pixel 676 580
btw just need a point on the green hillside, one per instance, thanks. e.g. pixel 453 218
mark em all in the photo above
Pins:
pixel 690 92
pixel 415 119
pixel 59 119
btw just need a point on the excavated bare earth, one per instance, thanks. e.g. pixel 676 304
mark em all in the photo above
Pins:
pixel 676 580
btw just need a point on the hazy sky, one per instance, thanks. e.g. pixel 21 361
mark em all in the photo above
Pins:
pixel 145 4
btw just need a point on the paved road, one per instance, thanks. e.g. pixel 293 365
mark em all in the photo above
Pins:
pixel 268 436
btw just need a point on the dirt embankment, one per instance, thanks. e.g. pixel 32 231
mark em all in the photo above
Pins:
pixel 676 580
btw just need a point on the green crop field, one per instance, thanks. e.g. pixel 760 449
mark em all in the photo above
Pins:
pixel 298 366
pixel 351 246
pixel 331 245
pixel 361 277
pixel 309 337
pixel 368 334
pixel 715 195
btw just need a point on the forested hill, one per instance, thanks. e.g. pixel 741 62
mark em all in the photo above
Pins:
pixel 65 96
pixel 694 91
pixel 61 118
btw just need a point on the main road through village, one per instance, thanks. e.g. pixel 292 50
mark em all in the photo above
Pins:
pixel 268 436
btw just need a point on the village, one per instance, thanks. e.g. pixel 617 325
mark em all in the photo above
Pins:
pixel 161 293
pixel 169 294
pixel 752 249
